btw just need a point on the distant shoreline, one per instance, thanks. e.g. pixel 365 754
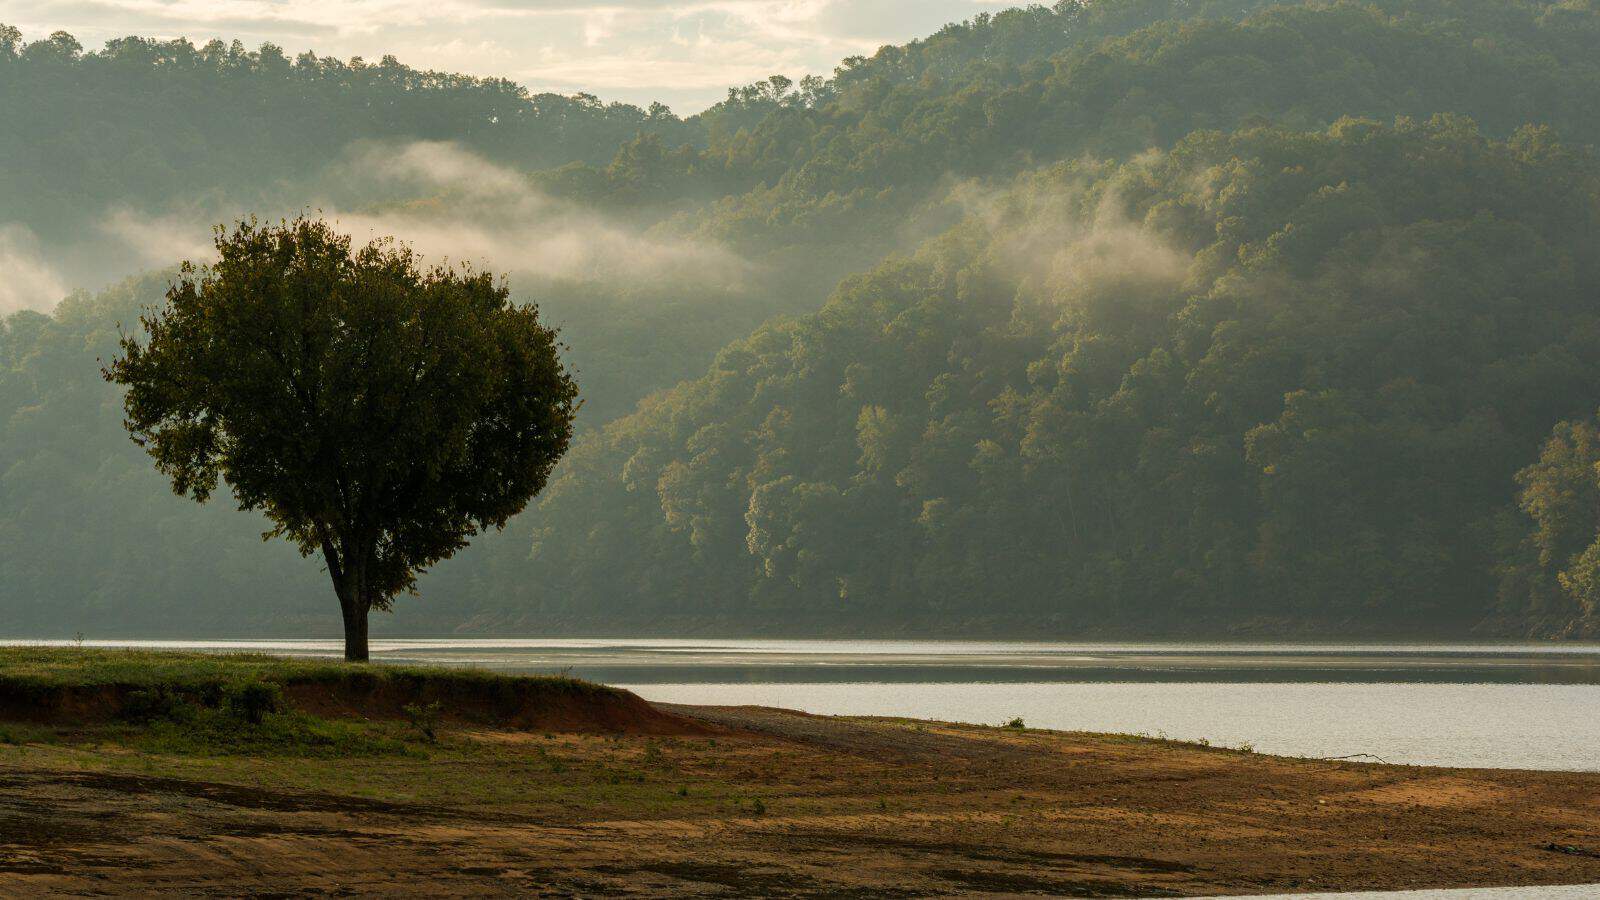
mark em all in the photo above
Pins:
pixel 327 629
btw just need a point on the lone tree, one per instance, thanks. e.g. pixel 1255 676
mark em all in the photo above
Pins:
pixel 379 413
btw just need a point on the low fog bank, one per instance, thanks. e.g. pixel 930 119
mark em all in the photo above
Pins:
pixel 448 203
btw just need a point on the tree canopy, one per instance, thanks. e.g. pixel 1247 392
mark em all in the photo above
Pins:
pixel 378 413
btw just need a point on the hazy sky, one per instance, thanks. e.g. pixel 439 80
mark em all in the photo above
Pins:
pixel 682 52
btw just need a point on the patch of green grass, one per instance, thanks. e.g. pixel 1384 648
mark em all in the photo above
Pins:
pixel 210 732
pixel 240 719
pixel 382 760
pixel 91 667
pixel 64 684
pixel 608 775
pixel 226 704
pixel 19 733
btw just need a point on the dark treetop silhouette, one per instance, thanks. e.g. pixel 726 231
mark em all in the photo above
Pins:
pixel 377 412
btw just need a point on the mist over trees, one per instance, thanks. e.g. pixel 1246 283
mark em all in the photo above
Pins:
pixel 153 123
pixel 1126 317
pixel 1269 379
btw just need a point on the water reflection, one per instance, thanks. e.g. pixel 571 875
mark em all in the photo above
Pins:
pixel 800 661
pixel 1560 892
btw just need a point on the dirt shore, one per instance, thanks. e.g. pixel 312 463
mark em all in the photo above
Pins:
pixel 776 803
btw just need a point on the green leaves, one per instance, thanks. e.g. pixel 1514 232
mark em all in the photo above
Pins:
pixel 376 411
pixel 1557 562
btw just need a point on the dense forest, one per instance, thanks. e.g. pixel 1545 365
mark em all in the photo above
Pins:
pixel 1269 378
pixel 1122 317
pixel 153 123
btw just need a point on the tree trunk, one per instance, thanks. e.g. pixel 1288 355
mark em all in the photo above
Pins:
pixel 355 601
pixel 355 628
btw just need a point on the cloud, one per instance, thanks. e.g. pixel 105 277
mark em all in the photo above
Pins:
pixel 446 203
pixel 1072 241
pixel 686 52
pixel 26 280
pixel 159 240
pixel 1111 250
pixel 486 215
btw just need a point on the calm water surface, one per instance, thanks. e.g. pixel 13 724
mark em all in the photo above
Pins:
pixel 1495 705
pixel 1567 892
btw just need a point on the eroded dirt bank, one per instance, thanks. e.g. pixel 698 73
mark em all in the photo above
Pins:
pixel 775 803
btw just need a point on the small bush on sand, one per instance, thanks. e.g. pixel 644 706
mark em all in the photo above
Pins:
pixel 424 717
pixel 157 703
pixel 1016 723
pixel 251 701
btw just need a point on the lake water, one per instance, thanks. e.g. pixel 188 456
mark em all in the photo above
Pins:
pixel 1495 705
pixel 1564 892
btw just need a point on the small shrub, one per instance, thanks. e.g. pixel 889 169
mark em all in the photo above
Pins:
pixel 252 700
pixel 1016 723
pixel 757 807
pixel 156 704
pixel 424 718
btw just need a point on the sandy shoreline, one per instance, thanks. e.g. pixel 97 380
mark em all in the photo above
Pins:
pixel 778 803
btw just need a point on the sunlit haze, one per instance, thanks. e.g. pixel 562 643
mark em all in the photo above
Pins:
pixel 684 54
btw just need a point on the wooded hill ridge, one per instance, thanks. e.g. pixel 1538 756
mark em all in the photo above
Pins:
pixel 1135 317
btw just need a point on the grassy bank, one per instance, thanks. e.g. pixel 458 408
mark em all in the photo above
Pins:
pixel 68 686
pixel 91 667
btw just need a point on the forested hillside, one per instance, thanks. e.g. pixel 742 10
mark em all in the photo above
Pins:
pixel 153 123
pixel 1171 317
pixel 1268 379
pixel 842 161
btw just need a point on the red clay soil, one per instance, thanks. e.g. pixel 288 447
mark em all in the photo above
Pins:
pixel 526 706
pixel 74 704
pixel 532 705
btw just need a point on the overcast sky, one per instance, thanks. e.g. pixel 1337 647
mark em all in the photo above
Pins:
pixel 682 52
